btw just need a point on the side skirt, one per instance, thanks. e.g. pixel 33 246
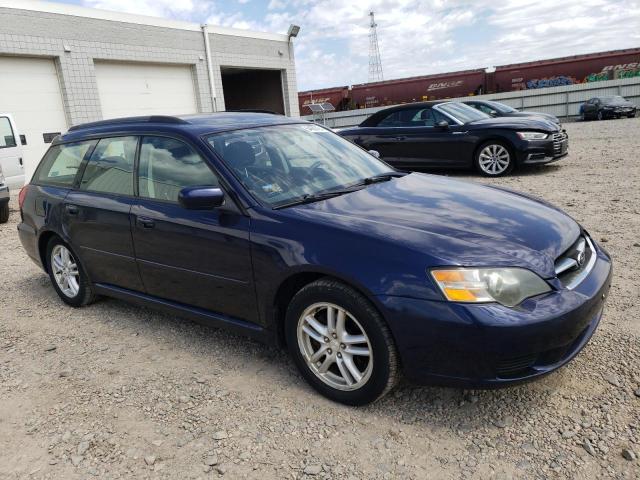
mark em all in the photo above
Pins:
pixel 205 317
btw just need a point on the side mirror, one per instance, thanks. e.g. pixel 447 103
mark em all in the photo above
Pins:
pixel 375 153
pixel 443 124
pixel 201 198
pixel 493 113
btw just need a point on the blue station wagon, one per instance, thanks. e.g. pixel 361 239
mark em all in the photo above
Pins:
pixel 283 231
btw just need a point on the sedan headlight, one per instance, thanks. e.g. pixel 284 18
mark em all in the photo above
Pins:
pixel 507 286
pixel 532 135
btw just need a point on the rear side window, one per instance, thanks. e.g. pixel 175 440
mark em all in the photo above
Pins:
pixel 167 166
pixel 61 163
pixel 110 167
pixel 7 137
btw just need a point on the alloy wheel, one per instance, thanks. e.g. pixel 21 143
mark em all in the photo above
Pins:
pixel 494 159
pixel 335 346
pixel 65 271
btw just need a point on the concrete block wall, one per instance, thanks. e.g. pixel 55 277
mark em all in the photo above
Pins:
pixel 50 35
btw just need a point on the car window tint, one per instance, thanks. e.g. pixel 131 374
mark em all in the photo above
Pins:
pixel 7 138
pixel 61 163
pixel 484 108
pixel 167 166
pixel 110 168
pixel 411 117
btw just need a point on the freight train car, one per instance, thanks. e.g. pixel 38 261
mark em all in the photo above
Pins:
pixel 337 96
pixel 566 71
pixel 521 76
pixel 418 89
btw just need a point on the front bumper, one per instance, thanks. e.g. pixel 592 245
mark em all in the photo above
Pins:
pixel 488 345
pixel 538 152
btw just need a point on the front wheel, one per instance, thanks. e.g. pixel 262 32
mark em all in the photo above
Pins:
pixel 340 343
pixel 600 115
pixel 494 159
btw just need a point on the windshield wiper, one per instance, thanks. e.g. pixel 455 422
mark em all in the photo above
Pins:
pixel 383 177
pixel 314 197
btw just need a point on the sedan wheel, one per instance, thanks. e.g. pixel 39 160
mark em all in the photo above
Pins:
pixel 600 116
pixel 335 346
pixel 494 159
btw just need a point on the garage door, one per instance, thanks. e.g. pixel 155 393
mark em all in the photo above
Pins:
pixel 30 92
pixel 128 89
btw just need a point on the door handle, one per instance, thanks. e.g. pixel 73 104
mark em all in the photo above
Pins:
pixel 72 209
pixel 146 222
pixel 400 138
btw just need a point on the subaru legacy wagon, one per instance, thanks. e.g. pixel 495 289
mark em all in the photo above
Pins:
pixel 283 231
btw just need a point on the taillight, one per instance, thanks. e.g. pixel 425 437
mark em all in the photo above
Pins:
pixel 22 195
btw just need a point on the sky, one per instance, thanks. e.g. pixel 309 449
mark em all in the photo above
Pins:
pixel 416 37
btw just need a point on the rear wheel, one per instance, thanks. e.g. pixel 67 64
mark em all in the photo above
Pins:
pixel 4 212
pixel 67 275
pixel 340 343
pixel 494 159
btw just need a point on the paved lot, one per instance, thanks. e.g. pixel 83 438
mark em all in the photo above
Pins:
pixel 115 391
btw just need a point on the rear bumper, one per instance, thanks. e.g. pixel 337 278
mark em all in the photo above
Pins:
pixel 29 240
pixel 488 345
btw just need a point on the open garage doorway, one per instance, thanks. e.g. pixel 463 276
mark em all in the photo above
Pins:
pixel 252 89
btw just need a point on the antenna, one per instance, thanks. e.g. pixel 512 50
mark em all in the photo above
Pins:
pixel 375 62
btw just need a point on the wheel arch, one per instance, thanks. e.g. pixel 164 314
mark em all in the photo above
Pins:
pixel 43 240
pixel 292 284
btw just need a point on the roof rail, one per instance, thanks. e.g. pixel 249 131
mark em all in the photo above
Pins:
pixel 125 120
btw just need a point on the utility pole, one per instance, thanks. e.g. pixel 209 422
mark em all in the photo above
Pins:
pixel 375 62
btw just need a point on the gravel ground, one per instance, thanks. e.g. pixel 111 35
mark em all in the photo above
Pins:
pixel 118 391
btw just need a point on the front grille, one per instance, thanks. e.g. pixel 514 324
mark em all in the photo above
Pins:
pixel 573 265
pixel 558 138
pixel 515 366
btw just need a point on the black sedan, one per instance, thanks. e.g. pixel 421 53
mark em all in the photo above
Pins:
pixel 603 108
pixel 497 109
pixel 452 134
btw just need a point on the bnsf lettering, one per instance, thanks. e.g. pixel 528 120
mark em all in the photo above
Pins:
pixel 623 66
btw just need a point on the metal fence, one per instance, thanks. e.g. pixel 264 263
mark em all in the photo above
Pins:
pixel 563 102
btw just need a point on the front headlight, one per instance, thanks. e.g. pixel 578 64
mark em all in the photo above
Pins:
pixel 532 135
pixel 507 286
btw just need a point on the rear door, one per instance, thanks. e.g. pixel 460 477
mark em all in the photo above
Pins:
pixel 200 258
pixel 10 152
pixel 96 213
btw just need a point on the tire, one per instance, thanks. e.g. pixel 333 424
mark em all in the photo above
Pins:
pixel 493 167
pixel 379 371
pixel 631 116
pixel 76 297
pixel 4 212
pixel 583 117
pixel 600 115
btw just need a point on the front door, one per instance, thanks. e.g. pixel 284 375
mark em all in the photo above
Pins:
pixel 96 214
pixel 199 258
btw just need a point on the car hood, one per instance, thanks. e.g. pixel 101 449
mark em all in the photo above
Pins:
pixel 454 222
pixel 619 104
pixel 542 115
pixel 516 123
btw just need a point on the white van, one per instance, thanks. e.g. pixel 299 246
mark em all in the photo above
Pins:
pixel 11 152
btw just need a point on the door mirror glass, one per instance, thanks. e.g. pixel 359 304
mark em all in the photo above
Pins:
pixel 375 153
pixel 493 113
pixel 443 124
pixel 201 198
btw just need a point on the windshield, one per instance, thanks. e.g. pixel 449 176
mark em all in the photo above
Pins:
pixel 281 164
pixel 461 112
pixel 501 107
pixel 614 99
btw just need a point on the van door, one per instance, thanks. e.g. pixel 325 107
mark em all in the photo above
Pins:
pixel 11 152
